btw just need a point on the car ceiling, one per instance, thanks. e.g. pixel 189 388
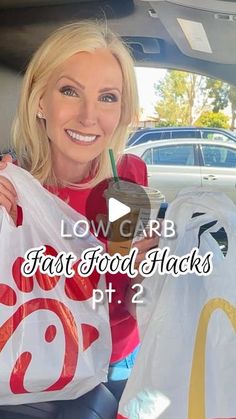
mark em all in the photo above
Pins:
pixel 158 32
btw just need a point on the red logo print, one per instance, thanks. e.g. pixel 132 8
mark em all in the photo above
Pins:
pixel 77 289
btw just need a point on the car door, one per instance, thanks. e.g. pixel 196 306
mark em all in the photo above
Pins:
pixel 172 167
pixel 218 169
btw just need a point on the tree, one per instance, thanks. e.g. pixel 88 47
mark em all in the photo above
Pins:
pixel 213 119
pixel 219 93
pixel 223 94
pixel 232 99
pixel 182 97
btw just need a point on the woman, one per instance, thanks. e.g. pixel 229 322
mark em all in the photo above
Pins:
pixel 78 98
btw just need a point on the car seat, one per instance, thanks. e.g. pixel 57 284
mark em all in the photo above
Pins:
pixel 99 403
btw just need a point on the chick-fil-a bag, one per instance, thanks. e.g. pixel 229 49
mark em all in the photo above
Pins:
pixel 186 368
pixel 53 344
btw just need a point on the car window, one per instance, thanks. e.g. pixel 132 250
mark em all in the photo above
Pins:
pixel 217 156
pixel 186 134
pixel 211 135
pixel 148 136
pixel 165 135
pixel 147 156
pixel 174 155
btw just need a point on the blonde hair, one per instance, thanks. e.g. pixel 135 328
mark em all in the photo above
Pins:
pixel 30 140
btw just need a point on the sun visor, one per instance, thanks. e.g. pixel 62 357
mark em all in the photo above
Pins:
pixel 200 31
pixel 224 6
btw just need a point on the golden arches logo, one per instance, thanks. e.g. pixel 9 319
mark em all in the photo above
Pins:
pixel 196 405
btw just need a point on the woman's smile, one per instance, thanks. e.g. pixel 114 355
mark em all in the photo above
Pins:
pixel 84 139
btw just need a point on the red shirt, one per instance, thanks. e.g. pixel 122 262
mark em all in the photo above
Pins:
pixel 123 326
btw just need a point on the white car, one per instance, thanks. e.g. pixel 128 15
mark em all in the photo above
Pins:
pixel 175 164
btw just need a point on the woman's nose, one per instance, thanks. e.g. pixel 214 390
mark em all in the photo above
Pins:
pixel 88 113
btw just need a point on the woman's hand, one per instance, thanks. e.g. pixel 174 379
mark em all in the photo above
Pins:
pixel 7 158
pixel 8 197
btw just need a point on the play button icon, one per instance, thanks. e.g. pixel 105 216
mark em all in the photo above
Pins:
pixel 116 209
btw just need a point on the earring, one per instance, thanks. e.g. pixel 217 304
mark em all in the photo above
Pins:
pixel 40 115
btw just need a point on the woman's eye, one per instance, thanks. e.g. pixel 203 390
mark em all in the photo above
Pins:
pixel 68 91
pixel 109 97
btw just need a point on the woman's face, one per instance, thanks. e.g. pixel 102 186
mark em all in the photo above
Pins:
pixel 82 108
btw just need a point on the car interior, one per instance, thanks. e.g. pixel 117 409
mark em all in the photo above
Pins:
pixel 191 35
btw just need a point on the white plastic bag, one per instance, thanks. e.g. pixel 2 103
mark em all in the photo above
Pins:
pixel 53 344
pixel 186 368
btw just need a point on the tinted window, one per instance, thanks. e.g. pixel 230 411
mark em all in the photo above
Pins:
pixel 217 156
pixel 186 134
pixel 148 136
pixel 165 135
pixel 174 155
pixel 133 137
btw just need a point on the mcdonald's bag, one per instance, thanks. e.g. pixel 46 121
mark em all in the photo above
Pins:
pixel 186 368
pixel 53 344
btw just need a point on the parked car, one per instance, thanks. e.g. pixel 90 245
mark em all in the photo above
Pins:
pixel 174 164
pixel 168 133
